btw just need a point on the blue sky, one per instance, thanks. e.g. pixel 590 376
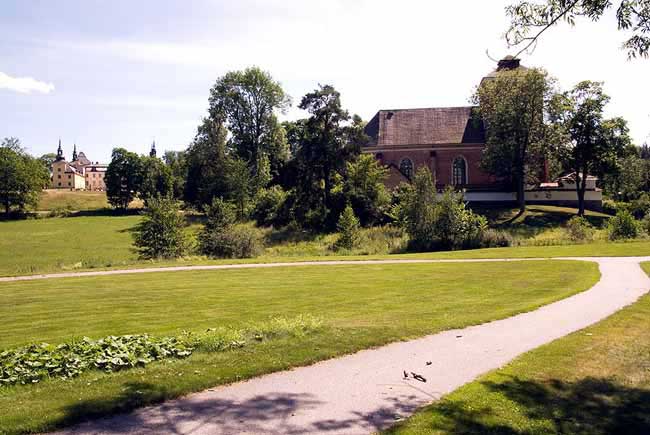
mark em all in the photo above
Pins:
pixel 122 73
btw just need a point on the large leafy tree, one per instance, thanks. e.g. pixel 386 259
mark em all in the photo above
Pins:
pixel 530 19
pixel 247 101
pixel 123 178
pixel 156 180
pixel 176 161
pixel 22 177
pixel 324 148
pixel 594 144
pixel 512 105
pixel 364 189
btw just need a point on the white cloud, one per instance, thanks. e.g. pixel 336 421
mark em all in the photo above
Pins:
pixel 24 85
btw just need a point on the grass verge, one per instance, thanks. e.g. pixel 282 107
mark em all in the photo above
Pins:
pixel 400 302
pixel 595 381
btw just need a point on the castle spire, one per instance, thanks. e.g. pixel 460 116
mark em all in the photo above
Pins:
pixel 74 153
pixel 152 153
pixel 59 152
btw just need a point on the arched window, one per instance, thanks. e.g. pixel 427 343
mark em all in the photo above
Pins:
pixel 406 167
pixel 459 171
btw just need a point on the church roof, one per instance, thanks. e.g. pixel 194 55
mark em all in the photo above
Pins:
pixel 82 159
pixel 430 126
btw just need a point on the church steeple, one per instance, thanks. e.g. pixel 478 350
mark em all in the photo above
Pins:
pixel 74 153
pixel 152 153
pixel 59 152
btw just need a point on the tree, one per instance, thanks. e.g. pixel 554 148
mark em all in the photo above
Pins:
pixel 324 148
pixel 594 144
pixel 247 101
pixel 177 163
pixel 47 160
pixel 206 162
pixel 156 179
pixel 123 178
pixel 22 177
pixel 348 227
pixel 512 105
pixel 161 234
pixel 644 151
pixel 529 20
pixel 364 189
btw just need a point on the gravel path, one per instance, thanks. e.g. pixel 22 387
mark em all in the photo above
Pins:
pixel 366 391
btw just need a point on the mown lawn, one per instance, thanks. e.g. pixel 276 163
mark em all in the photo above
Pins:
pixel 595 381
pixel 361 306
pixel 98 242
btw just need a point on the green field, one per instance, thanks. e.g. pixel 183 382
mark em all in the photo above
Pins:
pixel 595 381
pixel 53 199
pixel 90 242
pixel 399 302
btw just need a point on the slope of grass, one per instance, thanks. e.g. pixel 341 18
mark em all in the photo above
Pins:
pixel 399 302
pixel 595 381
pixel 53 199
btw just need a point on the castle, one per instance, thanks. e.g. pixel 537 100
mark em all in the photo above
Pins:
pixel 78 174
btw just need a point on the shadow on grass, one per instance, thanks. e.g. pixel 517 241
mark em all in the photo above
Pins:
pixel 587 407
pixel 269 413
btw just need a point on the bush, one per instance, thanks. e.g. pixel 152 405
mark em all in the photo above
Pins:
pixel 640 207
pixel 579 229
pixel 348 227
pixel 161 234
pixel 645 224
pixel 623 226
pixel 221 238
pixel 496 239
pixel 269 206
pixel 436 224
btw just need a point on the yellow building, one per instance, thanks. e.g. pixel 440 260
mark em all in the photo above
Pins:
pixel 79 174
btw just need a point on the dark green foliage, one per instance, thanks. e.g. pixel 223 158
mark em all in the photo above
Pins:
pixel 269 207
pixel 156 179
pixel 592 144
pixel 176 161
pixel 513 105
pixel 246 101
pixel 348 227
pixel 22 177
pixel 221 238
pixel 123 178
pixel 623 226
pixel 36 362
pixel 161 232
pixel 364 189
pixel 579 229
pixel 630 179
pixel 437 224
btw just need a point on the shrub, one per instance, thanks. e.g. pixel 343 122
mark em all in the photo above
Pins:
pixel 640 207
pixel 434 224
pixel 496 239
pixel 269 206
pixel 222 239
pixel 161 234
pixel 348 227
pixel 623 226
pixel 645 224
pixel 579 229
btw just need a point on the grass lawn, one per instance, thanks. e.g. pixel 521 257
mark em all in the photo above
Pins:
pixel 595 381
pixel 91 242
pixel 63 199
pixel 399 302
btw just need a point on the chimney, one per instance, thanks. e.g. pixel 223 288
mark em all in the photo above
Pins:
pixel 508 63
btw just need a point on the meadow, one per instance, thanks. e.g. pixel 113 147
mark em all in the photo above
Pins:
pixel 400 302
pixel 595 381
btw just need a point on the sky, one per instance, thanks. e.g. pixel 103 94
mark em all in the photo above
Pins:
pixel 103 74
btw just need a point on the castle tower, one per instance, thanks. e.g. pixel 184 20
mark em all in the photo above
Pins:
pixel 74 153
pixel 59 153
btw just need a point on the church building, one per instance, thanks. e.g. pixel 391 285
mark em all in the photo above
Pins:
pixel 450 141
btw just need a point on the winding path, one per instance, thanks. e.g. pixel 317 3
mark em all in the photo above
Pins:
pixel 366 391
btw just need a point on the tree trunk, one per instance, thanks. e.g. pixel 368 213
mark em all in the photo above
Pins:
pixel 521 196
pixel 581 187
pixel 7 207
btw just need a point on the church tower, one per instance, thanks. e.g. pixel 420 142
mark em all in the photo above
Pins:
pixel 59 153
pixel 152 153
pixel 74 153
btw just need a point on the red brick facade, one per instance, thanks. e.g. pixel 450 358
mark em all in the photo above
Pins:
pixel 435 138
